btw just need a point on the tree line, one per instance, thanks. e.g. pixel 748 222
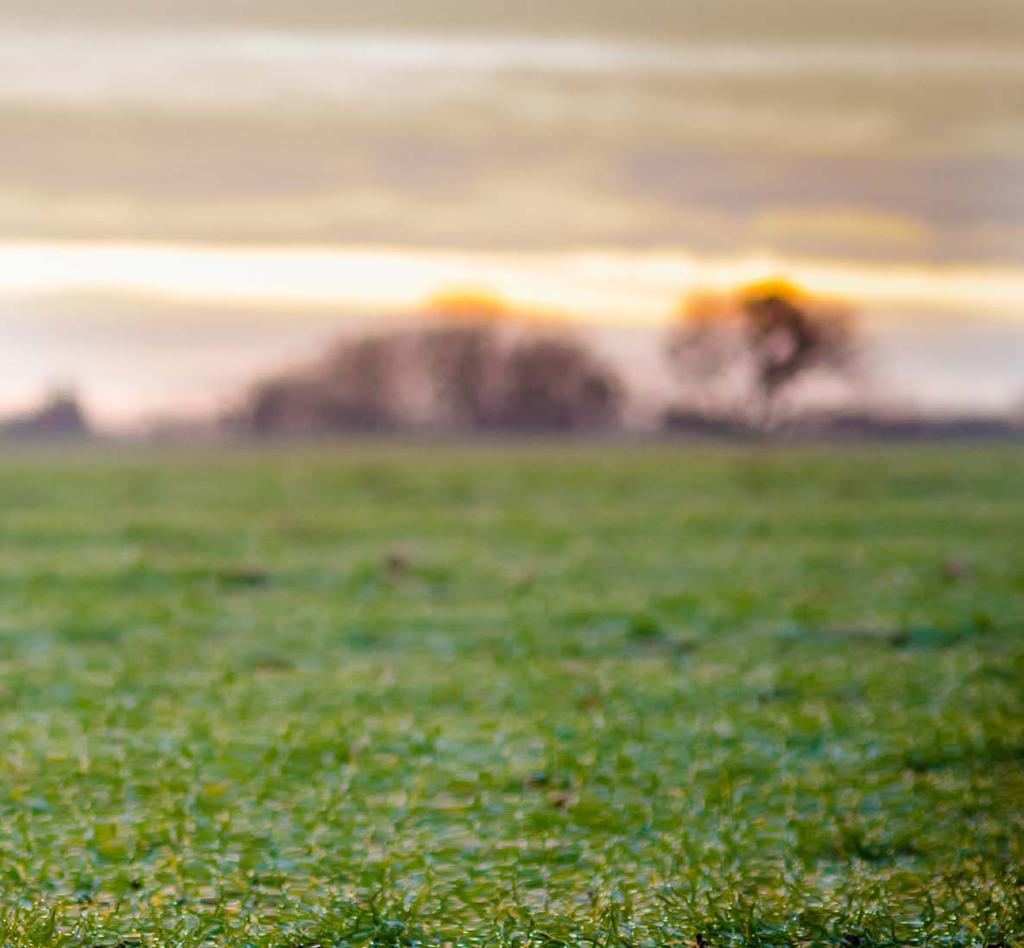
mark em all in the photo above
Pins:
pixel 474 368
pixel 468 378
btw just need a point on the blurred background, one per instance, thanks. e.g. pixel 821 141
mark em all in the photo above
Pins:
pixel 320 216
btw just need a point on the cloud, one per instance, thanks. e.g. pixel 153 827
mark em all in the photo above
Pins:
pixel 509 140
pixel 842 232
pixel 580 178
pixel 176 69
pixel 943 193
pixel 807 19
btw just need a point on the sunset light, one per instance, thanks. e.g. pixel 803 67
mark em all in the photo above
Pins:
pixel 631 288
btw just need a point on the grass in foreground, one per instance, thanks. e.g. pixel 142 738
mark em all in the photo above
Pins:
pixel 513 697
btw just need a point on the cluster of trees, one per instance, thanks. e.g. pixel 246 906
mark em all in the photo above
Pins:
pixel 452 376
pixel 737 357
pixel 476 367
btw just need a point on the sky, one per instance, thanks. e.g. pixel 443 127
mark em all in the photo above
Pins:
pixel 193 192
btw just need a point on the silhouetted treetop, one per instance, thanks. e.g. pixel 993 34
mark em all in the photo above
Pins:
pixel 741 351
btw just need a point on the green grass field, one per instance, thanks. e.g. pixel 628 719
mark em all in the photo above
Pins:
pixel 598 695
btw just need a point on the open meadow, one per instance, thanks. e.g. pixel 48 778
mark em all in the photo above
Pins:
pixel 512 695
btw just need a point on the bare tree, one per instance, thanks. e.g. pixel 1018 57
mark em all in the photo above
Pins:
pixel 353 389
pixel 461 363
pixel 556 384
pixel 277 406
pixel 741 352
pixel 358 385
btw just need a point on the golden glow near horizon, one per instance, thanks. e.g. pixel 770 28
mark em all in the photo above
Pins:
pixel 614 287
pixel 195 193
